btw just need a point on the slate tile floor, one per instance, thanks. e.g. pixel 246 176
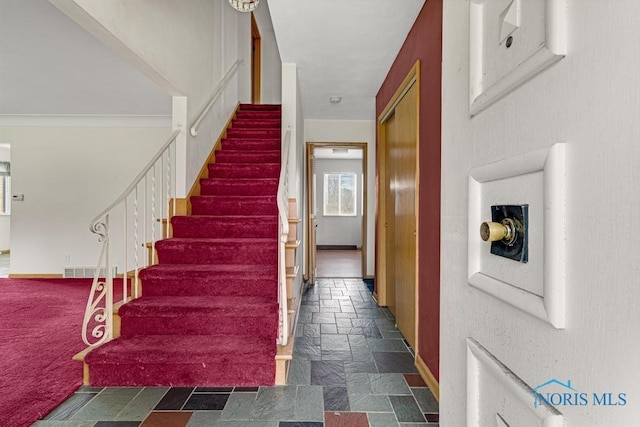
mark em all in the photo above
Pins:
pixel 351 367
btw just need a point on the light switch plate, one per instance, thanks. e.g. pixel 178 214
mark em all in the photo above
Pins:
pixel 510 42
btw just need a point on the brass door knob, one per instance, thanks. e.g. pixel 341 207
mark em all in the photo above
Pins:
pixel 505 230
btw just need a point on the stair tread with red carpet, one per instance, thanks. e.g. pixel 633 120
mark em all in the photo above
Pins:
pixel 261 107
pixel 253 133
pixel 211 315
pixel 244 156
pixel 259 144
pixel 259 115
pixel 176 306
pixel 234 205
pixel 249 186
pixel 209 251
pixel 199 348
pixel 208 315
pixel 183 361
pixel 241 170
pixel 221 271
pixel 222 226
pixel 256 123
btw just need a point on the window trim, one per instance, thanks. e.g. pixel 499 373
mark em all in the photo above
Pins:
pixel 325 194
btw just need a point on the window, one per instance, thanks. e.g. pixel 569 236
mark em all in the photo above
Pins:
pixel 5 188
pixel 340 194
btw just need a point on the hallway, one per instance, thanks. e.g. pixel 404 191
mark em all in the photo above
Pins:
pixel 339 263
pixel 351 367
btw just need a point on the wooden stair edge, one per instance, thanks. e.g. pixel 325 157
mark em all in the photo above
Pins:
pixel 131 274
pixel 293 244
pixel 292 304
pixel 284 355
pixel 79 357
pixel 117 305
pixel 285 352
pixel 283 362
pixel 292 272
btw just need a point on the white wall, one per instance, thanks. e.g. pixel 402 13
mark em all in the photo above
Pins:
pixel 338 230
pixel 290 112
pixel 186 48
pixel 271 87
pixel 352 131
pixel 67 176
pixel 590 101
pixel 5 220
pixel 293 120
pixel 301 172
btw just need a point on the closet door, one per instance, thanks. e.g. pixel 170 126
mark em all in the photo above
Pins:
pixel 400 136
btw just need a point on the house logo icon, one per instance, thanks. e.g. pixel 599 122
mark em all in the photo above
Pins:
pixel 557 393
pixel 540 397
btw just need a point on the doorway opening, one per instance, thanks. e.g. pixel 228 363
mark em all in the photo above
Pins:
pixel 336 206
pixel 5 208
pixel 256 61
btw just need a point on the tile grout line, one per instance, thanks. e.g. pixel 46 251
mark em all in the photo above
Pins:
pixel 128 403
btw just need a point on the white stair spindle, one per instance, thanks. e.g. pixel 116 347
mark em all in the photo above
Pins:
pixel 153 215
pixel 168 192
pixel 125 290
pixel 97 326
pixel 136 243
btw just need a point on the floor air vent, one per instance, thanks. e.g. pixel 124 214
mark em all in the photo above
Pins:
pixel 85 272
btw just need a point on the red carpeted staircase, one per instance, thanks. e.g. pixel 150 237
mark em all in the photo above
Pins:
pixel 208 315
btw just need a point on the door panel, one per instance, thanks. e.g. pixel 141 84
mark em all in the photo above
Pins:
pixel 404 160
pixel 256 61
pixel 390 223
pixel 400 213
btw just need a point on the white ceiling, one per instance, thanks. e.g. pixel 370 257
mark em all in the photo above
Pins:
pixel 51 66
pixel 342 48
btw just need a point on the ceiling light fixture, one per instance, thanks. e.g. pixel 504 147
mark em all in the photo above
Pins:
pixel 335 100
pixel 244 5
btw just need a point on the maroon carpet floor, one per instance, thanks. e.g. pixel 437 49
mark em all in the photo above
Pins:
pixel 40 327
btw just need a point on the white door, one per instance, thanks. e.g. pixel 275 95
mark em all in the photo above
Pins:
pixel 553 342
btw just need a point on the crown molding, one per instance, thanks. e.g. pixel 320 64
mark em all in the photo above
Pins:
pixel 83 120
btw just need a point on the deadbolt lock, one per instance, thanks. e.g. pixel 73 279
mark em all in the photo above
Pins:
pixel 507 231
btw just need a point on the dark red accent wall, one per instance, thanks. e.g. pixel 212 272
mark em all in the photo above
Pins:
pixel 424 43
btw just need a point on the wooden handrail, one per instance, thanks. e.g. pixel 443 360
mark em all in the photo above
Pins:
pixel 214 97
